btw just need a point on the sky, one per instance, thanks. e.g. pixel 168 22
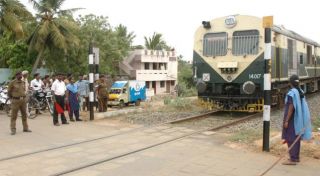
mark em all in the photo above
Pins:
pixel 177 20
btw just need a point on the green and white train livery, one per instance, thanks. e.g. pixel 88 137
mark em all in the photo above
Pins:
pixel 228 62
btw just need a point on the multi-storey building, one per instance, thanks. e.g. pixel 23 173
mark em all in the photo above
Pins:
pixel 158 68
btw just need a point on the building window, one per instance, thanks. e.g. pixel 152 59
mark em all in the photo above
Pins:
pixel 147 84
pixel 215 44
pixel 154 84
pixel 146 66
pixel 162 84
pixel 172 83
pixel 245 42
pixel 154 66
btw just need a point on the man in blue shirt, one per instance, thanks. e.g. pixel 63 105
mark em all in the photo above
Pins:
pixel 83 86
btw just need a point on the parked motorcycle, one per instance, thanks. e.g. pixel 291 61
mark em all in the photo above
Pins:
pixel 4 99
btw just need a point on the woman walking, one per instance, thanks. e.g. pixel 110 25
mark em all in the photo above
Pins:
pixel 73 100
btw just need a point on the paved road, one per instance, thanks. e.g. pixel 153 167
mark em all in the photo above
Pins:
pixel 202 155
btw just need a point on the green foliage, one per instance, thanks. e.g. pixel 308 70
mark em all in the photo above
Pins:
pixel 114 44
pixel 12 13
pixel 185 80
pixel 13 54
pixel 185 91
pixel 156 42
pixel 316 123
pixel 55 29
pixel 178 103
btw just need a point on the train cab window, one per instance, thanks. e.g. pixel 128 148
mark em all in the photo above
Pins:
pixel 301 59
pixel 245 42
pixel 215 44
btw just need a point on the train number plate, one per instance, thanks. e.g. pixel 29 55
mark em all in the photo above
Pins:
pixel 254 76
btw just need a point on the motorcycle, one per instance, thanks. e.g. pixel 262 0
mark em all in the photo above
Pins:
pixel 4 99
pixel 44 99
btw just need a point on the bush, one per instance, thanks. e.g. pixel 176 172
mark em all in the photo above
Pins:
pixel 184 91
pixel 178 103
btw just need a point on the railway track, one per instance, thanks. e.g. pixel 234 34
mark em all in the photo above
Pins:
pixel 151 143
pixel 105 137
pixel 108 159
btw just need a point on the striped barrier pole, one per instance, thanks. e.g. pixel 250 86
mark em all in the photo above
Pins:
pixel 267 89
pixel 91 80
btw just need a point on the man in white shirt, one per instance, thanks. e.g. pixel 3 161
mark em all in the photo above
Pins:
pixel 36 84
pixel 59 89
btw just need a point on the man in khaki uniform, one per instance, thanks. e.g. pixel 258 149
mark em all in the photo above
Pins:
pixel 102 94
pixel 17 94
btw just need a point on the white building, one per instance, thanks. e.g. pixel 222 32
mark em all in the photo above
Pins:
pixel 158 68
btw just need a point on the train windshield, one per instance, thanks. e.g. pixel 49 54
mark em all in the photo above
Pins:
pixel 215 44
pixel 245 42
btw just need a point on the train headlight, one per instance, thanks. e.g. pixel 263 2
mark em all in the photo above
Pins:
pixel 249 87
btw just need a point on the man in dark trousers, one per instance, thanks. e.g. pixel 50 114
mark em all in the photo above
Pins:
pixel 59 89
pixel 17 94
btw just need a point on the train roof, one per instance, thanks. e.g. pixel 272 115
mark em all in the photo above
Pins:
pixel 293 35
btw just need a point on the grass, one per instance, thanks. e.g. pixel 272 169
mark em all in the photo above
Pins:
pixel 316 124
pixel 246 136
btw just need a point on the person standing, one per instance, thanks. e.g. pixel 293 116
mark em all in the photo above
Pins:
pixel 296 121
pixel 102 90
pixel 25 75
pixel 46 82
pixel 36 84
pixel 17 94
pixel 83 86
pixel 73 100
pixel 59 89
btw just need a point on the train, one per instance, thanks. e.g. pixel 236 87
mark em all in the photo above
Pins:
pixel 228 63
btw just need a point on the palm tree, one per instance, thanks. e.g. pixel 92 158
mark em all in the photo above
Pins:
pixel 54 30
pixel 11 14
pixel 122 33
pixel 156 42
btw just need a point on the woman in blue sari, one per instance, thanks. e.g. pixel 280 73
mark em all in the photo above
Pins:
pixel 296 121
pixel 73 100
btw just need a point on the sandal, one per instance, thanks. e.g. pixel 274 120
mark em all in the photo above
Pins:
pixel 289 162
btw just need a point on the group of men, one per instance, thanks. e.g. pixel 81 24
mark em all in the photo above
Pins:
pixel 67 94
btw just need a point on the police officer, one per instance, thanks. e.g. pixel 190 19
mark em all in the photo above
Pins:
pixel 17 94
pixel 102 94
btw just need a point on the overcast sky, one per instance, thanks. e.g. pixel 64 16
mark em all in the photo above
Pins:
pixel 177 20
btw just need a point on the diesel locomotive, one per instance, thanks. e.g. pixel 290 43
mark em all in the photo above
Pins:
pixel 228 62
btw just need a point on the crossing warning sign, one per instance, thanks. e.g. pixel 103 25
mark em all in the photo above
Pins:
pixel 206 77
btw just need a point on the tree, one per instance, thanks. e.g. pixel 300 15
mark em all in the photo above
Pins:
pixel 11 14
pixel 156 42
pixel 114 44
pixel 54 30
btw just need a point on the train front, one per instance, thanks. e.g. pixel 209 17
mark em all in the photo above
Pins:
pixel 228 63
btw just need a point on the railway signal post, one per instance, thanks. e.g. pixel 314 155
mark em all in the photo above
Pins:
pixel 267 24
pixel 91 81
